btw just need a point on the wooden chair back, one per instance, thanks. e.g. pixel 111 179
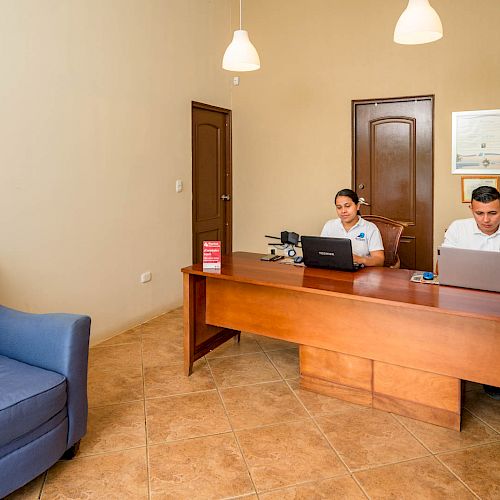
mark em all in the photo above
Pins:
pixel 390 231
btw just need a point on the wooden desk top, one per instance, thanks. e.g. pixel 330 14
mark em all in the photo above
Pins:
pixel 376 284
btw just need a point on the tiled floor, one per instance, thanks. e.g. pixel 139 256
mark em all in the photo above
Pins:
pixel 240 427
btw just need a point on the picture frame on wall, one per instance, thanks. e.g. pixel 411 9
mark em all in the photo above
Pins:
pixel 476 142
pixel 471 182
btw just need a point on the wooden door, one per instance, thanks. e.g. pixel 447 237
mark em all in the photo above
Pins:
pixel 393 169
pixel 212 180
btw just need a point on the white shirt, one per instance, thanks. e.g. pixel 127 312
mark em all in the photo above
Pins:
pixel 364 235
pixel 464 233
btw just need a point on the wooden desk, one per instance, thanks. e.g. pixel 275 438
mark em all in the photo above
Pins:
pixel 371 337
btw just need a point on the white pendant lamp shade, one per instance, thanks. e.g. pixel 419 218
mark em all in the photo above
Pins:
pixel 241 54
pixel 419 23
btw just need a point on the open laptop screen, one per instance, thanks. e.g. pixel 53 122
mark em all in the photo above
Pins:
pixel 328 253
pixel 477 269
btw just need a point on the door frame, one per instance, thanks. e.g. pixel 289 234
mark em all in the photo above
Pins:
pixel 228 221
pixel 356 102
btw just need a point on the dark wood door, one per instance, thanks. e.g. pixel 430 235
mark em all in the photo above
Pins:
pixel 212 179
pixel 393 169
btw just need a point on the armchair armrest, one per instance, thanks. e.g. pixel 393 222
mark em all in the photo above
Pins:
pixel 57 342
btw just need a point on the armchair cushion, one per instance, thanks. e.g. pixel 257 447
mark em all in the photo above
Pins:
pixel 29 397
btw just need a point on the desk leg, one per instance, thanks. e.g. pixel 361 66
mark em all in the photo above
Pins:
pixel 199 337
pixel 189 323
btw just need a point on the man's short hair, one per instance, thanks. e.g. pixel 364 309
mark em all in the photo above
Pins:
pixel 485 194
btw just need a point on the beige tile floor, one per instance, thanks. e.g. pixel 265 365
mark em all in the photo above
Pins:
pixel 240 427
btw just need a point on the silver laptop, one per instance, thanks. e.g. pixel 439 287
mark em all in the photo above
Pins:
pixel 477 269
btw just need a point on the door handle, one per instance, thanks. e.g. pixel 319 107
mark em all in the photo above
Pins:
pixel 362 201
pixel 225 197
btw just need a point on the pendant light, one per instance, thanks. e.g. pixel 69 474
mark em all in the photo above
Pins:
pixel 419 23
pixel 241 54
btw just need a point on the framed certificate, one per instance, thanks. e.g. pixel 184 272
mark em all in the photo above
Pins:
pixel 471 182
pixel 476 142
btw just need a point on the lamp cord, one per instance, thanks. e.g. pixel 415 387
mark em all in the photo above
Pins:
pixel 240 15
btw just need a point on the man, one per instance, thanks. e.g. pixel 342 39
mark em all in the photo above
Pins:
pixel 482 232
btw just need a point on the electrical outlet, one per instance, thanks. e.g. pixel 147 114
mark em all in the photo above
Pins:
pixel 145 277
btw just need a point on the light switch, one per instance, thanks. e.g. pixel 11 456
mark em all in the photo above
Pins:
pixel 178 186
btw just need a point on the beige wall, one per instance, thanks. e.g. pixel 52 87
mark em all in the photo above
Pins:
pixel 95 128
pixel 292 119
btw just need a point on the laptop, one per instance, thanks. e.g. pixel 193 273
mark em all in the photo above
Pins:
pixel 328 253
pixel 477 269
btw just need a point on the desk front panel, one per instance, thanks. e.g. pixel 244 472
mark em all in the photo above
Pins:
pixel 428 339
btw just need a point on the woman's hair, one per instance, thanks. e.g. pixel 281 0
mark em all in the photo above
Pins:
pixel 349 193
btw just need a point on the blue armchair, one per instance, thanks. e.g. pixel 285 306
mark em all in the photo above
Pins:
pixel 43 392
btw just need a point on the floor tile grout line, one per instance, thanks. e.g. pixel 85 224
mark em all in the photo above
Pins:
pixel 307 482
pixel 253 384
pixel 331 445
pixel 293 346
pixel 264 426
pixel 100 346
pixel 273 424
pixel 237 497
pixel 361 487
pixel 118 403
pixel 274 381
pixel 190 438
pixel 274 366
pixel 481 419
pixel 44 480
pixel 311 415
pixel 233 431
pixel 389 464
pixel 180 394
pixel 465 448
pixel 434 453
pixel 410 432
pixel 457 477
pixel 352 472
pixel 221 356
pixel 247 354
pixel 145 419
pixel 107 452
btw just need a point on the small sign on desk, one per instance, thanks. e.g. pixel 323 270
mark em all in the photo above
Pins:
pixel 211 255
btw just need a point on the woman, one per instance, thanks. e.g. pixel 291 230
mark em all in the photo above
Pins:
pixel 367 247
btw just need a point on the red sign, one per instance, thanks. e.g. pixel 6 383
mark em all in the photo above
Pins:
pixel 211 255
